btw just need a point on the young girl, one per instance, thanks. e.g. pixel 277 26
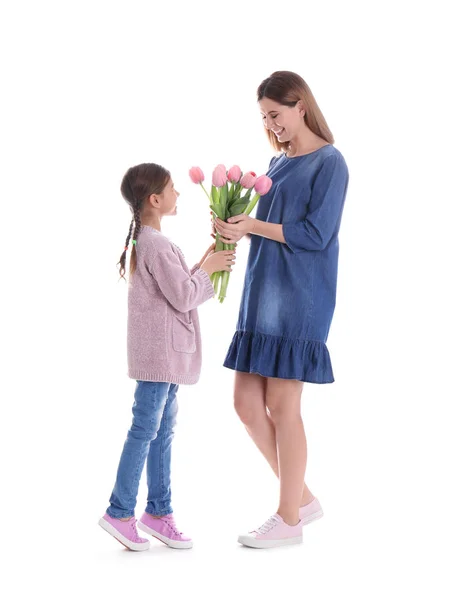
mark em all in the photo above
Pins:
pixel 164 351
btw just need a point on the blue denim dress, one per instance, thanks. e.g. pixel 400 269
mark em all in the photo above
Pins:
pixel 290 289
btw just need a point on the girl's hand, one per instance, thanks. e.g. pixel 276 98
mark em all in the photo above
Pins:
pixel 219 261
pixel 236 228
pixel 211 250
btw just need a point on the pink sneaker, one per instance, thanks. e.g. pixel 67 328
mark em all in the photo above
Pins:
pixel 165 530
pixel 274 532
pixel 125 532
pixel 310 512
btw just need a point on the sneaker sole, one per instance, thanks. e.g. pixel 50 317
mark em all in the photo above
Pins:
pixel 260 544
pixel 313 517
pixel 168 541
pixel 122 539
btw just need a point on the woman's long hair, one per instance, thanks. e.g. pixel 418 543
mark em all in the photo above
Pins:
pixel 287 88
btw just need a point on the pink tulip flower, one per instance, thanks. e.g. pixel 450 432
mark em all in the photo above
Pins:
pixel 219 176
pixel 248 180
pixel 262 185
pixel 196 175
pixel 234 174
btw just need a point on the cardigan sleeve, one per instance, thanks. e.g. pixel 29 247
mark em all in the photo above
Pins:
pixel 182 290
pixel 324 210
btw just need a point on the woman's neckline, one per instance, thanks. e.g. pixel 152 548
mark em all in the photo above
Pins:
pixel 307 154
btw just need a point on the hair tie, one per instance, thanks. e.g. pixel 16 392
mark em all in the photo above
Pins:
pixel 134 242
pixel 126 248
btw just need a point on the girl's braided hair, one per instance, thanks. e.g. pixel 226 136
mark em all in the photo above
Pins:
pixel 137 185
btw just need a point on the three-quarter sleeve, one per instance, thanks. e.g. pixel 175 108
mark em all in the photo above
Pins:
pixel 324 210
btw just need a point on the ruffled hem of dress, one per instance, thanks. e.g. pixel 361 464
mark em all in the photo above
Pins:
pixel 283 358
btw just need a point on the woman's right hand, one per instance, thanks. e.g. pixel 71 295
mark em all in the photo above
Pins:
pixel 219 261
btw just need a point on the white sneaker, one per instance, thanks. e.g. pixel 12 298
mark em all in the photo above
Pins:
pixel 273 533
pixel 310 512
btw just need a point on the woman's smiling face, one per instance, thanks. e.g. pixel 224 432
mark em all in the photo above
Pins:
pixel 284 121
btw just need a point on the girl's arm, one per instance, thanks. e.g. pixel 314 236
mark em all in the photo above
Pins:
pixel 183 291
pixel 209 251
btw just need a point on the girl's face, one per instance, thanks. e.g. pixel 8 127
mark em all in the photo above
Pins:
pixel 168 199
pixel 284 121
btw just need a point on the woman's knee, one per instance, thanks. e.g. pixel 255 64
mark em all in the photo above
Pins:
pixel 249 397
pixel 246 409
pixel 283 409
pixel 283 395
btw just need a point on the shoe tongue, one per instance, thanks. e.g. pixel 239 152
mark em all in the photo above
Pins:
pixel 269 522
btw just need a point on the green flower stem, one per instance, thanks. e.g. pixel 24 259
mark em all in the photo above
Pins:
pixel 251 205
pixel 219 245
pixel 216 282
pixel 217 277
pixel 204 190
pixel 225 277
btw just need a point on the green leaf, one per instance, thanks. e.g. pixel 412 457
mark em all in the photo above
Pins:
pixel 215 195
pixel 224 196
pixel 231 192
pixel 218 210
pixel 238 209
pixel 237 199
pixel 247 194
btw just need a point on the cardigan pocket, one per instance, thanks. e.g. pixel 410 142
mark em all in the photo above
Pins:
pixel 183 335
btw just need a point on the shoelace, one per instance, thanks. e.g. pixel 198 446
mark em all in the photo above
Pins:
pixel 172 525
pixel 134 528
pixel 268 525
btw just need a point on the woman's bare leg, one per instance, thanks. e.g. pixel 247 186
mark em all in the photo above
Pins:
pixel 250 393
pixel 283 401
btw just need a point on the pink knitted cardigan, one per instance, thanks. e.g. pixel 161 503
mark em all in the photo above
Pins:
pixel 164 342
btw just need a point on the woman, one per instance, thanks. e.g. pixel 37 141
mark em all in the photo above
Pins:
pixel 289 295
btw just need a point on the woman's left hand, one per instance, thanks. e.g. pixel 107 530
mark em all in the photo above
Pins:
pixel 236 228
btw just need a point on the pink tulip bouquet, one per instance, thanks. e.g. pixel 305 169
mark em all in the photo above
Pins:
pixel 232 194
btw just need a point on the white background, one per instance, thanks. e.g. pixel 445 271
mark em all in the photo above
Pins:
pixel 91 88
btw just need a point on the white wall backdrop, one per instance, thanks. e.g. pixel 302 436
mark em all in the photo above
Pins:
pixel 91 88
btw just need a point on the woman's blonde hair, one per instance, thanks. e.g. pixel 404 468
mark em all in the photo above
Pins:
pixel 287 88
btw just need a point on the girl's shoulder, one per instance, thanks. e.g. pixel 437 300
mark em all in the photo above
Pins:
pixel 153 241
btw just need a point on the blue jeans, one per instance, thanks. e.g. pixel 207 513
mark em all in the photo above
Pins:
pixel 150 437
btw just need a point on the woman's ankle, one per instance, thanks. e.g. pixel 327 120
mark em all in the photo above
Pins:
pixel 307 497
pixel 289 517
